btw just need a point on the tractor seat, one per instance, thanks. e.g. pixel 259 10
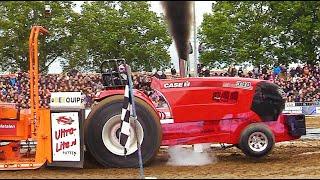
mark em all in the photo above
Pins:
pixel 9 111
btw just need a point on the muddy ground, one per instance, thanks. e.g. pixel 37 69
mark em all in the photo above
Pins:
pixel 295 159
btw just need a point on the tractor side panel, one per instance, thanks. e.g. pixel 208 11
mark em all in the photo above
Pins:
pixel 279 128
pixel 226 130
pixel 205 100
pixel 195 132
pixel 222 131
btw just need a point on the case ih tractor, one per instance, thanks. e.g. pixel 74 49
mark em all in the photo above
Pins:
pixel 243 112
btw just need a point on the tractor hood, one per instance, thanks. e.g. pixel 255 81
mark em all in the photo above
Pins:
pixel 264 98
pixel 191 82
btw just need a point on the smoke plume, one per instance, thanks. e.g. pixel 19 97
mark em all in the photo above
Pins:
pixel 179 17
pixel 180 156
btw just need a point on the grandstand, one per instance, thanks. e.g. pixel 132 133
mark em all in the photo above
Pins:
pixel 301 85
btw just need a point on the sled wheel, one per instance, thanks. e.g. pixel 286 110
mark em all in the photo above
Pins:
pixel 102 129
pixel 256 141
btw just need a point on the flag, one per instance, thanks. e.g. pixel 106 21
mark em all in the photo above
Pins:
pixel 125 117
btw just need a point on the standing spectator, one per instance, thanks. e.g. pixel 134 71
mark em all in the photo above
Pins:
pixel 240 72
pixel 264 70
pixel 12 80
pixel 276 71
pixel 173 71
pixel 161 75
pixel 232 71
pixel 256 72
pixel 207 72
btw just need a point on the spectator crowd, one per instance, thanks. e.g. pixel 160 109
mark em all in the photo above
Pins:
pixel 301 84
pixel 16 88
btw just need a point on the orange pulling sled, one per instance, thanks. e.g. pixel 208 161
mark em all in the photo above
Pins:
pixel 25 137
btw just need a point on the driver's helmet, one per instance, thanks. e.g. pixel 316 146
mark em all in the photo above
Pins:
pixel 122 68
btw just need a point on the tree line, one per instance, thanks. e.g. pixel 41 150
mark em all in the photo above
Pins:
pixel 261 32
pixel 103 30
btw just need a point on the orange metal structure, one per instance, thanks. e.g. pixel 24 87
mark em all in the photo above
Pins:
pixel 20 127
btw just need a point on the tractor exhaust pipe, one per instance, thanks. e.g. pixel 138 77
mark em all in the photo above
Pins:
pixel 179 17
pixel 182 70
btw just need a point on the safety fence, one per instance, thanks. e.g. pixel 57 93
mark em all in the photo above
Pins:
pixel 306 108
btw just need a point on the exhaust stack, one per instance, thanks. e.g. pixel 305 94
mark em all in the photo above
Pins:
pixel 179 17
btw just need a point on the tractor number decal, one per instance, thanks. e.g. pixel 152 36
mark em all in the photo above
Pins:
pixel 243 84
pixel 177 84
pixel 65 120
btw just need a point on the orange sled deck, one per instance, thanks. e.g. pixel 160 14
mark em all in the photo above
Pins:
pixel 20 146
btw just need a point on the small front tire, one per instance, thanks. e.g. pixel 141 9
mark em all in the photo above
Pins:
pixel 256 140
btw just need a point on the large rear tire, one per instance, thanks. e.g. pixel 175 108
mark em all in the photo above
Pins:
pixel 102 127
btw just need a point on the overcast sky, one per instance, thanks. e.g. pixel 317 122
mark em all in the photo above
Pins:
pixel 201 7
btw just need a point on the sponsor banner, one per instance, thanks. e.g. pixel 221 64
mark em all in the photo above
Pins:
pixel 290 104
pixel 8 128
pixel 306 110
pixel 293 109
pixel 309 110
pixel 65 136
pixel 67 99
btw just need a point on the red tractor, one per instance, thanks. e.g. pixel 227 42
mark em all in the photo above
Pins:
pixel 244 112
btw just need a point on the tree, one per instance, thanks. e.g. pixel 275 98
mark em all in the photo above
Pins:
pixel 237 32
pixel 110 29
pixel 262 32
pixel 298 30
pixel 16 19
pixel 217 32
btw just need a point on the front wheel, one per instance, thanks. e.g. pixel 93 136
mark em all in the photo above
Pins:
pixel 102 129
pixel 256 140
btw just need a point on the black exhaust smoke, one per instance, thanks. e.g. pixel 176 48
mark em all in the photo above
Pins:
pixel 179 17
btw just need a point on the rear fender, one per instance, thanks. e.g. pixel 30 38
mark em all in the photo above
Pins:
pixel 137 93
pixel 279 128
pixel 238 125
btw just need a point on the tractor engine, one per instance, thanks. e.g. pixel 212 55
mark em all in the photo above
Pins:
pixel 268 101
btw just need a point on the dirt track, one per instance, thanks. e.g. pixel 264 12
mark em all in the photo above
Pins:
pixel 295 159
